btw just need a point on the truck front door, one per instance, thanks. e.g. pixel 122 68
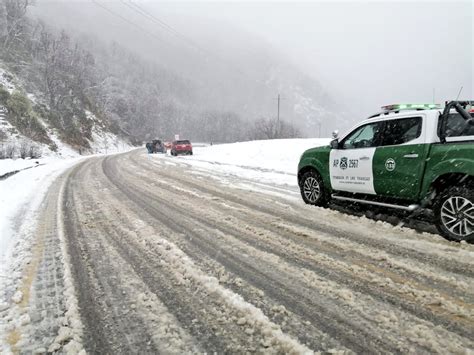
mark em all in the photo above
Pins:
pixel 350 166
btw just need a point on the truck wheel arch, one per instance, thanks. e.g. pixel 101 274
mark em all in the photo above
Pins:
pixel 447 180
pixel 307 168
pixel 304 170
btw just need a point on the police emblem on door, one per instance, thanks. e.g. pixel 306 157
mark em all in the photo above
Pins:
pixel 343 163
pixel 390 164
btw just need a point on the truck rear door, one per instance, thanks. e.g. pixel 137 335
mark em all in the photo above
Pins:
pixel 399 160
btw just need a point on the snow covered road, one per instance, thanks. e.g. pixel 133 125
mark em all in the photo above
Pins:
pixel 160 257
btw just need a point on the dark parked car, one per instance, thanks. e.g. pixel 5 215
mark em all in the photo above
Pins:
pixel 181 147
pixel 156 146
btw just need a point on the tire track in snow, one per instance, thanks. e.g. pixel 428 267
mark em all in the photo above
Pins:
pixel 188 306
pixel 120 313
pixel 400 268
pixel 427 251
pixel 422 293
pixel 150 202
pixel 185 252
pixel 49 321
pixel 331 245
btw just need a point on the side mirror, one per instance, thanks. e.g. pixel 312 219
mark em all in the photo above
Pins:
pixel 335 134
pixel 334 144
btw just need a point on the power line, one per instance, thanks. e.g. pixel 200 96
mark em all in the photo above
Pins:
pixel 115 14
pixel 135 8
pixel 143 12
pixel 154 18
pixel 166 25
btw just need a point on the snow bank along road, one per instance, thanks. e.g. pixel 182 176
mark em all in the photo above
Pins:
pixel 169 262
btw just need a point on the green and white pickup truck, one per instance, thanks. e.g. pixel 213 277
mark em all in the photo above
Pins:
pixel 406 157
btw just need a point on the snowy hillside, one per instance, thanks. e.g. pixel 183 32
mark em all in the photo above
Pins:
pixel 43 139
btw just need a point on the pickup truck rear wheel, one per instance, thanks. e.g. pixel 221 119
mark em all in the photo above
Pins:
pixel 312 189
pixel 454 213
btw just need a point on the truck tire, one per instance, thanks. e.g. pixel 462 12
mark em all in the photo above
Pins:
pixel 454 213
pixel 312 189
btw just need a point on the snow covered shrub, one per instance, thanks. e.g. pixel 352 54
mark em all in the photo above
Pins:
pixel 24 148
pixel 18 105
pixel 34 151
pixel 4 96
pixel 29 149
pixel 9 151
pixel 22 116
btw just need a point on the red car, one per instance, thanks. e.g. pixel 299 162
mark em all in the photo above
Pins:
pixel 181 147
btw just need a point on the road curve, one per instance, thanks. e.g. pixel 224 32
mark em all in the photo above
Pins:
pixel 167 261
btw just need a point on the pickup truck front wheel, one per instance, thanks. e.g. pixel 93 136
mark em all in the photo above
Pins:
pixel 312 189
pixel 454 213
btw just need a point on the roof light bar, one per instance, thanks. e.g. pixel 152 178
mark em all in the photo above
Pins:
pixel 397 107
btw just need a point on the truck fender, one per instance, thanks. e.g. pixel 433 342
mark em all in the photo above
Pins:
pixel 315 164
pixel 450 166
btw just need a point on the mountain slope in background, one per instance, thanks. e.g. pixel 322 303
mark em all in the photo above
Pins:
pixel 111 71
pixel 228 69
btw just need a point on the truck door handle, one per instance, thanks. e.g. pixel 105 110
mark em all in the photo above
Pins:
pixel 411 156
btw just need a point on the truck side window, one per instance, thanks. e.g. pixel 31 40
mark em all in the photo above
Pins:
pixel 363 137
pixel 458 126
pixel 402 130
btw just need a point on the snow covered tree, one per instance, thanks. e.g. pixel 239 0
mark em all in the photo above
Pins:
pixel 16 22
pixel 3 20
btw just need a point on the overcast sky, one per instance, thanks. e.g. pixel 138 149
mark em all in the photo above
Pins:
pixel 368 53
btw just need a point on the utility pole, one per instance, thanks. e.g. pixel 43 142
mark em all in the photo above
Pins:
pixel 278 114
pixel 278 107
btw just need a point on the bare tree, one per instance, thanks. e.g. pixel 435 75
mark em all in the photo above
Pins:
pixel 272 129
pixel 106 143
pixel 265 129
